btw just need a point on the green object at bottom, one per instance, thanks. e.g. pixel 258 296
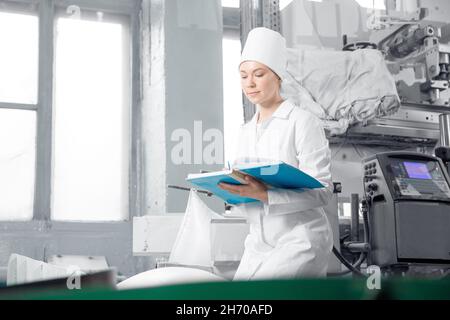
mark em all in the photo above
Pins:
pixel 302 289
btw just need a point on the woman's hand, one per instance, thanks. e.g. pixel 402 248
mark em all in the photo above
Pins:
pixel 255 189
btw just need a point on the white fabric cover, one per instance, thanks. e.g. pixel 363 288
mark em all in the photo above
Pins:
pixel 192 247
pixel 167 276
pixel 340 87
pixel 193 243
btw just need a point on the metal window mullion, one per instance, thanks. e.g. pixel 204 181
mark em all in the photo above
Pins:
pixel 251 17
pixel 271 15
pixel 42 193
pixel 18 106
pixel 257 13
pixel 136 196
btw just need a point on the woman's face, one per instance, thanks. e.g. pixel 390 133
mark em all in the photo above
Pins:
pixel 260 84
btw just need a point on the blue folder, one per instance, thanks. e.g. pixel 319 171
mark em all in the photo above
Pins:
pixel 275 175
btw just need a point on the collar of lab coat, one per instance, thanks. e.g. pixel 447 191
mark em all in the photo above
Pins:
pixel 283 111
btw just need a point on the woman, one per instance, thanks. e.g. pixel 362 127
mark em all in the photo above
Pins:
pixel 289 235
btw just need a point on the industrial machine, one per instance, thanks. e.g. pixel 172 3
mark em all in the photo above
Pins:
pixel 419 47
pixel 407 196
pixel 415 43
pixel 408 209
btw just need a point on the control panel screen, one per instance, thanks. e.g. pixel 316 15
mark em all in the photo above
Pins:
pixel 420 179
pixel 417 170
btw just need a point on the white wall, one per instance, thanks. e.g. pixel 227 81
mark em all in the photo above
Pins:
pixel 184 85
pixel 321 25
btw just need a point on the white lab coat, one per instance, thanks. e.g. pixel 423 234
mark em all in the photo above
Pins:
pixel 290 235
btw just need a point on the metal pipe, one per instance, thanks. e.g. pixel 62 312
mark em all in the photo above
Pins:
pixel 355 217
pixel 358 247
pixel 209 194
pixel 444 129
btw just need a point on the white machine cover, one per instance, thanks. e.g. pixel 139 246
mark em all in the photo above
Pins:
pixel 167 276
pixel 340 87
pixel 192 246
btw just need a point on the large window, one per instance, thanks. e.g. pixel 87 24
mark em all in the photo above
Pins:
pixel 232 96
pixel 17 158
pixel 18 58
pixel 91 122
pixel 18 98
pixel 230 3
pixel 65 109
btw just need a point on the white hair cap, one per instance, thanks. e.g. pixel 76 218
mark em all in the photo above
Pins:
pixel 267 47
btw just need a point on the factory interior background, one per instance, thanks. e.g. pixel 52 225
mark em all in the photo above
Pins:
pixel 107 106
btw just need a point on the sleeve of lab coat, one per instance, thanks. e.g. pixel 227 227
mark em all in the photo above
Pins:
pixel 313 156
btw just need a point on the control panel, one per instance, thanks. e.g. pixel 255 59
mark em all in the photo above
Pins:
pixel 406 176
pixel 418 178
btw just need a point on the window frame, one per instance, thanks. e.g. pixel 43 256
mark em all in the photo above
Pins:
pixel 126 11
